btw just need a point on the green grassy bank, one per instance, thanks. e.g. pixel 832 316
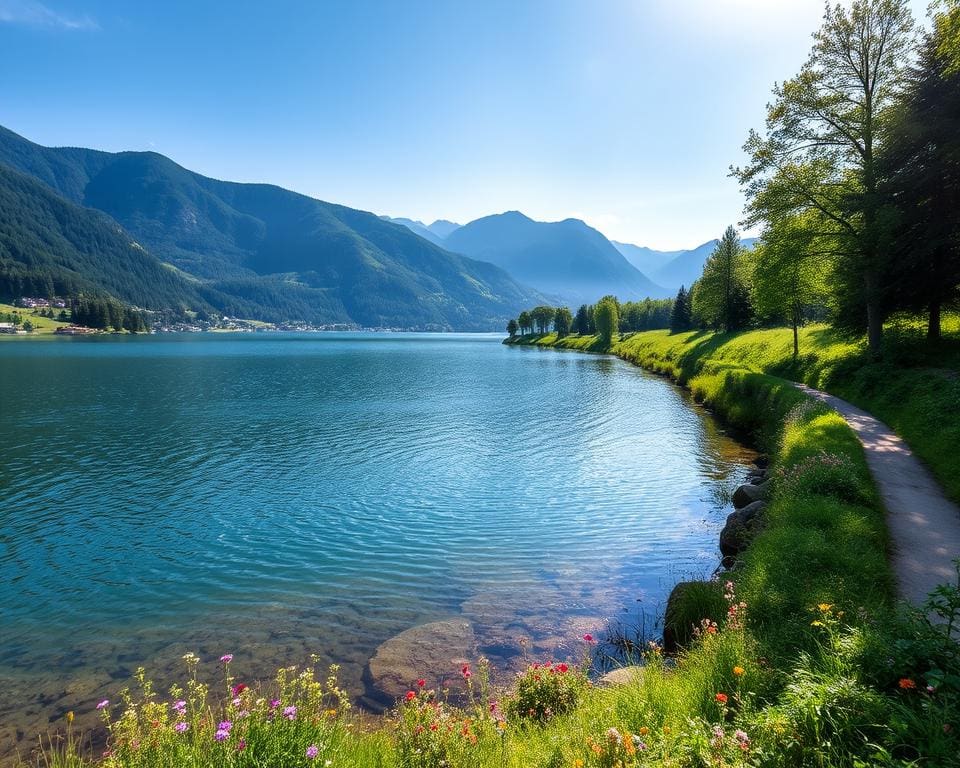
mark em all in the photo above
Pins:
pixel 802 659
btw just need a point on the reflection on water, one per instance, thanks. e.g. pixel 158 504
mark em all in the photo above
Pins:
pixel 279 495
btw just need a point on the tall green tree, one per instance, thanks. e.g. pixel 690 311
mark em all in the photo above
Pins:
pixel 542 316
pixel 790 268
pixel 563 322
pixel 606 318
pixel 583 322
pixel 722 297
pixel 681 318
pixel 525 322
pixel 824 128
pixel 920 175
pixel 512 327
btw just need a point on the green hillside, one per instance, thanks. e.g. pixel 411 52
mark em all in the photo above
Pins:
pixel 264 252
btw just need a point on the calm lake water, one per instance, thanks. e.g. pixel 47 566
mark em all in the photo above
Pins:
pixel 278 495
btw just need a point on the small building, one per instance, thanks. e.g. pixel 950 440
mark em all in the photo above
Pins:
pixel 8 328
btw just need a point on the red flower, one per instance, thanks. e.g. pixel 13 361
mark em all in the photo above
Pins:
pixel 721 698
pixel 465 671
pixel 588 638
pixel 421 682
pixel 411 696
pixel 238 689
pixel 907 684
pixel 562 667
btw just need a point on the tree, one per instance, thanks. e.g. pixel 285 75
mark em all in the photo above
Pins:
pixel 606 319
pixel 512 327
pixel 722 298
pixel 823 130
pixel 583 322
pixel 680 317
pixel 542 316
pixel 525 323
pixel 562 322
pixel 789 275
pixel 28 326
pixel 919 170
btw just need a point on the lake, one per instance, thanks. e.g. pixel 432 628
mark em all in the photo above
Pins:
pixel 280 495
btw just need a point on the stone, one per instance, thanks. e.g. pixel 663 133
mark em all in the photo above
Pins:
pixel 740 529
pixel 435 652
pixel 677 624
pixel 621 676
pixel 762 461
pixel 750 493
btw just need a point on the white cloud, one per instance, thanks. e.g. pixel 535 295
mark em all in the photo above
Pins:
pixel 34 14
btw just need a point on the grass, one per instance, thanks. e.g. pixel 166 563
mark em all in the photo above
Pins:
pixel 810 663
pixel 42 326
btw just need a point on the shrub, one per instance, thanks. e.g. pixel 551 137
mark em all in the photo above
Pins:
pixel 543 691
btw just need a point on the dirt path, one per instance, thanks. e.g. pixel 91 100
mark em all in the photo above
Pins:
pixel 924 524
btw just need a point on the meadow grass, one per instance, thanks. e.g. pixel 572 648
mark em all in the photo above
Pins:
pixel 41 325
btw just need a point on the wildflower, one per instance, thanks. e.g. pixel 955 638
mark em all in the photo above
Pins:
pixel 410 696
pixel 312 751
pixel 666 730
pixel 221 735
pixel 181 727
pixel 226 725
pixel 70 716
pixel 465 671
pixel 588 638
pixel 930 689
pixel 274 703
pixel 241 745
pixel 742 739
pixel 562 668
pixel 721 698
pixel 290 713
pixel 421 682
pixel 238 689
pixel 907 684
pixel 331 713
pixel 639 743
pixel 613 736
pixel 103 704
pixel 644 730
pixel 739 671
pixel 824 607
pixel 226 658
pixel 578 763
pixel 191 658
pixel 180 706
pixel 236 702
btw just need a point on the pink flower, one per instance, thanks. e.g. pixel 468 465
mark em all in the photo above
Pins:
pixel 312 751
pixel 588 638
pixel 274 703
pixel 179 705
pixel 421 682
pixel 465 671
pixel 290 713
pixel 226 658
pixel 226 725
pixel 103 704
pixel 181 727
pixel 221 735
pixel 241 745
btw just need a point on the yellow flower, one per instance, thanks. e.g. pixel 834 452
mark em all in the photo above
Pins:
pixel 644 730
pixel 70 716
pixel 578 763
pixel 824 607
pixel 817 624
pixel 738 671
pixel 666 729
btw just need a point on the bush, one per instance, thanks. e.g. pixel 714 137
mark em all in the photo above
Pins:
pixel 543 691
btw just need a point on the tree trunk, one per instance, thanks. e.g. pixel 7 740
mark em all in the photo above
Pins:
pixel 874 316
pixel 796 341
pixel 933 322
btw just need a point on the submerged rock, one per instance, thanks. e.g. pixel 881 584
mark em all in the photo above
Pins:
pixel 435 652
pixel 740 529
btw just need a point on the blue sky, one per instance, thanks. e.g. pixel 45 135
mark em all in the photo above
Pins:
pixel 624 113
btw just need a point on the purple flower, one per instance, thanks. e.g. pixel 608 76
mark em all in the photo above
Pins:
pixel 179 705
pixel 274 703
pixel 226 725
pixel 290 713
pixel 103 704
pixel 226 658
pixel 221 735
pixel 181 727
pixel 312 751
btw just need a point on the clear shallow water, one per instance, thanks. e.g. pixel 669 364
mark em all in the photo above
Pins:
pixel 281 495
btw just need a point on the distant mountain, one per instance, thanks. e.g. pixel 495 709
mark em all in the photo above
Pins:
pixel 417 227
pixel 435 233
pixel 671 269
pixel 645 259
pixel 443 228
pixel 278 254
pixel 567 259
